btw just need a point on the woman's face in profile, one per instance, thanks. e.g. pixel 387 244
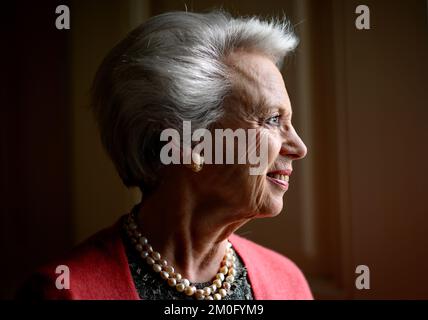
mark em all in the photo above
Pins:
pixel 260 101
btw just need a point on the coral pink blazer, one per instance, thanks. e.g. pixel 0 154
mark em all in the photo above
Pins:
pixel 99 271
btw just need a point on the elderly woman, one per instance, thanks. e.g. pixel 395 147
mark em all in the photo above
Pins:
pixel 216 72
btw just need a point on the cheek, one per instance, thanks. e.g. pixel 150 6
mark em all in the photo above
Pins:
pixel 233 183
pixel 262 198
pixel 258 182
pixel 274 147
pixel 269 199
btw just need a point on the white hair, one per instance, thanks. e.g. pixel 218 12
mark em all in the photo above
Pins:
pixel 168 70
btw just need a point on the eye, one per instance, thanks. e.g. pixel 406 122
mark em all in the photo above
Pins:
pixel 274 121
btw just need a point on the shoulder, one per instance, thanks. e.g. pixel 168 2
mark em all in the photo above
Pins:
pixel 95 269
pixel 272 275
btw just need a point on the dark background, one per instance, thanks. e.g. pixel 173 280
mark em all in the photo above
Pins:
pixel 360 105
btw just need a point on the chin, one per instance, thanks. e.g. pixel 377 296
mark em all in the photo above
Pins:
pixel 276 208
pixel 273 208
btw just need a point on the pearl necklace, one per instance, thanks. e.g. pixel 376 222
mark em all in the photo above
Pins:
pixel 220 286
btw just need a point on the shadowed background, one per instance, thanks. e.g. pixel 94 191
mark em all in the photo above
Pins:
pixel 359 101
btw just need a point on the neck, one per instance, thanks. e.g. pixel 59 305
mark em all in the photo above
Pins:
pixel 191 235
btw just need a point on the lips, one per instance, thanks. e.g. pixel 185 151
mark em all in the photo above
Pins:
pixel 280 177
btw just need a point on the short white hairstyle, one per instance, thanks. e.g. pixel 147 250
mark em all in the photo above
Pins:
pixel 170 69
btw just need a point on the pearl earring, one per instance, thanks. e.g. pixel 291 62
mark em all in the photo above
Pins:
pixel 198 162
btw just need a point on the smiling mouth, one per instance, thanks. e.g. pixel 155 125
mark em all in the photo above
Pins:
pixel 277 176
pixel 281 180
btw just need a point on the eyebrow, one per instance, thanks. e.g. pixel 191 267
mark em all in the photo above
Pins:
pixel 287 112
pixel 262 107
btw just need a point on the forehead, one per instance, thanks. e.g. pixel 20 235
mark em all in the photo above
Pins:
pixel 257 82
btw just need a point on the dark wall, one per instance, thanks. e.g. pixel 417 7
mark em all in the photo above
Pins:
pixel 34 133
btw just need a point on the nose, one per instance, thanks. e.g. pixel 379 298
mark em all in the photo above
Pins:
pixel 293 147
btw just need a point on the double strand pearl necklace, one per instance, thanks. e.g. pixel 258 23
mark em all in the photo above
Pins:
pixel 220 286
